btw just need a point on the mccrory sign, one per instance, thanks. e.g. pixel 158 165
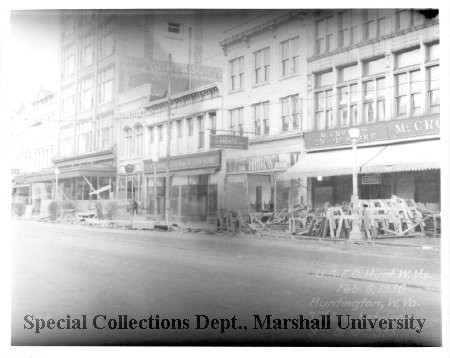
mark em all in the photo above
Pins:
pixel 401 128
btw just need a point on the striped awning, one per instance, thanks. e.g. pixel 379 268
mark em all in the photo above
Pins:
pixel 413 156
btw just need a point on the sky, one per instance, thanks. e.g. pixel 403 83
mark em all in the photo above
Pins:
pixel 34 53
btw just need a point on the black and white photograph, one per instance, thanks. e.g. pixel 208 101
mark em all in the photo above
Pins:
pixel 227 177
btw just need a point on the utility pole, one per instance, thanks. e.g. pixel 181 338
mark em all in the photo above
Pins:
pixel 169 125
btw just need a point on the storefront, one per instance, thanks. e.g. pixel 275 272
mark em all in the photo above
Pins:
pixel 257 183
pixel 393 158
pixel 193 187
pixel 131 183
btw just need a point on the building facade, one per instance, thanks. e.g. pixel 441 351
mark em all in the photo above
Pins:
pixel 196 170
pixel 107 52
pixel 377 70
pixel 35 141
pixel 265 99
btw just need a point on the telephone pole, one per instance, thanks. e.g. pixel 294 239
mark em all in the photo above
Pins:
pixel 169 125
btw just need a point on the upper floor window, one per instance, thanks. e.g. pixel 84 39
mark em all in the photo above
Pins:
pixel 128 142
pixel 261 118
pixel 324 41
pixel 68 58
pixel 139 139
pixel 179 128
pixel 375 23
pixel 236 116
pixel 86 50
pixel 290 113
pixel 68 25
pixel 323 100
pixel 68 100
pixel 151 134
pixel 105 85
pixel 409 58
pixel 433 52
pixel 190 125
pixel 106 37
pixel 290 51
pixel 160 133
pixel 348 96
pixel 85 17
pixel 405 18
pixel 374 100
pixel 201 131
pixel 261 66
pixel 349 27
pixel 433 89
pixel 83 137
pixel 174 27
pixel 213 122
pixel 408 93
pixel 236 72
pixel 85 93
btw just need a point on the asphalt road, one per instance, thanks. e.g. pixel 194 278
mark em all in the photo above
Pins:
pixel 179 278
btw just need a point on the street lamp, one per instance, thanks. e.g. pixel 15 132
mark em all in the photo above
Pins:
pixel 155 201
pixel 57 172
pixel 356 233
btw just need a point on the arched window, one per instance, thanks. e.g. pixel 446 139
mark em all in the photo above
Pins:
pixel 127 143
pixel 139 139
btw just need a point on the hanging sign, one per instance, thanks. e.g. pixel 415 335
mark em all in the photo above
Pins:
pixel 228 141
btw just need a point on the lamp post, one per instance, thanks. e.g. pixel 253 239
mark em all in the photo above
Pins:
pixel 57 172
pixel 356 233
pixel 155 191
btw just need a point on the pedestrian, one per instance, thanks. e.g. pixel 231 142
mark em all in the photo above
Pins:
pixel 99 208
pixel 133 207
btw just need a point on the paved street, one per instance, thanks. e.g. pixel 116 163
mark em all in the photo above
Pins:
pixel 63 270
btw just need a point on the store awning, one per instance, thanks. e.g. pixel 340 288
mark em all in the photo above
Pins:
pixel 72 172
pixel 381 159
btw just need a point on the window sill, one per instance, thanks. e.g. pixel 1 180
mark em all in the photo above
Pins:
pixel 236 91
pixel 255 85
pixel 288 77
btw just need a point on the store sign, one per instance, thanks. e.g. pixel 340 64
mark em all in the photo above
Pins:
pixel 185 162
pixel 380 131
pixel 373 179
pixel 228 141
pixel 270 162
pixel 129 168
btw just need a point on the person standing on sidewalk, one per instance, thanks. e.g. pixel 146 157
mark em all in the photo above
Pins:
pixel 133 208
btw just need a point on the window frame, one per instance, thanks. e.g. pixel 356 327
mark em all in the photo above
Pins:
pixel 264 68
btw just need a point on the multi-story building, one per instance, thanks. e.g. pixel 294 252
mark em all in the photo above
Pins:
pixel 376 70
pixel 196 173
pixel 265 98
pixel 34 139
pixel 104 53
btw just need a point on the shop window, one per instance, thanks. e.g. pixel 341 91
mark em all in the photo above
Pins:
pixel 261 66
pixel 236 74
pixel 290 51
